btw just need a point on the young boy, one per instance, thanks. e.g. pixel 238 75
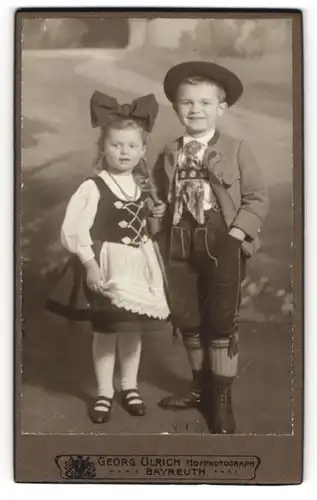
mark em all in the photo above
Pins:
pixel 214 203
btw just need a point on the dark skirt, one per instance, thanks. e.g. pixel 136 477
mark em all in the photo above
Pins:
pixel 112 319
pixel 72 300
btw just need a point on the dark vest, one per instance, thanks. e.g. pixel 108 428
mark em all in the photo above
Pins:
pixel 119 221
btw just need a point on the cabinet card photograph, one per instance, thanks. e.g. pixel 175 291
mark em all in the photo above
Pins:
pixel 158 164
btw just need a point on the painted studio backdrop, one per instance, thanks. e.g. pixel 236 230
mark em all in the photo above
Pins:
pixel 63 62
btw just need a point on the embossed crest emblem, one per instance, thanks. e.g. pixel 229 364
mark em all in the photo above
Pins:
pixel 79 467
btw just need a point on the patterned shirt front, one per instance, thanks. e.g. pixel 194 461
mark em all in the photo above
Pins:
pixel 192 188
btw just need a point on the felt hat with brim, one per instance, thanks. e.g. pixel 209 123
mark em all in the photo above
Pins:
pixel 219 74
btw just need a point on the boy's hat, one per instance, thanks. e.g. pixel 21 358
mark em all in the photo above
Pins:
pixel 219 74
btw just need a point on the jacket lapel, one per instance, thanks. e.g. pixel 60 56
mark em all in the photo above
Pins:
pixel 171 158
pixel 213 160
pixel 214 155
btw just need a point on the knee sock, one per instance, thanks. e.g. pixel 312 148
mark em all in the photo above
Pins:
pixel 104 350
pixel 194 350
pixel 221 363
pixel 129 350
pixel 195 357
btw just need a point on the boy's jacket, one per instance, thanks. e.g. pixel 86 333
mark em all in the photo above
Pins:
pixel 235 178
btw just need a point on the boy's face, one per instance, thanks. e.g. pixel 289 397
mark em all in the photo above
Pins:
pixel 123 149
pixel 198 107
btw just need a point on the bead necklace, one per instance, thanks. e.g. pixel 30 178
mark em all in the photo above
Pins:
pixel 125 194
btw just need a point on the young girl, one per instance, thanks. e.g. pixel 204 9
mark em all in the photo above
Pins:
pixel 106 227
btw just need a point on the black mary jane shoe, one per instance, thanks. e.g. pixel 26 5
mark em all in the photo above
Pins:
pixel 132 402
pixel 101 410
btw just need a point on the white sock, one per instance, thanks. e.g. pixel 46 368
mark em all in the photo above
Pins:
pixel 104 352
pixel 129 350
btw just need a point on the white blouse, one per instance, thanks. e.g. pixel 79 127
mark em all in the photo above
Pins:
pixel 81 212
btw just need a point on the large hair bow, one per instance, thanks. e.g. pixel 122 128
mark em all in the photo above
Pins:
pixel 104 109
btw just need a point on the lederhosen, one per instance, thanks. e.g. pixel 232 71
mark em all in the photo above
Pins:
pixel 210 267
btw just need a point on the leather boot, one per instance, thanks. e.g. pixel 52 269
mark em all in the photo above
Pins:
pixel 224 367
pixel 189 399
pixel 221 417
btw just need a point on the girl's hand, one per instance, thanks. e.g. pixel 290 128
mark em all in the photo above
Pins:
pixel 93 276
pixel 159 210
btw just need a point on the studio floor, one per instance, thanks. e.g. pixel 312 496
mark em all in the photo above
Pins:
pixel 59 382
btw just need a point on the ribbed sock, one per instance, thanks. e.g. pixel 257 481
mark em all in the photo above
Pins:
pixel 220 362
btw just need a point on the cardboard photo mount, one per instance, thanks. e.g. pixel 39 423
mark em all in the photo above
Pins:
pixel 174 458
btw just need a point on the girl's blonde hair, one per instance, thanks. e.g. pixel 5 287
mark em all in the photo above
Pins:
pixel 99 162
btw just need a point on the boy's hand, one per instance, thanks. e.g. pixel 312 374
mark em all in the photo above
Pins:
pixel 159 210
pixel 233 347
pixel 237 233
pixel 93 276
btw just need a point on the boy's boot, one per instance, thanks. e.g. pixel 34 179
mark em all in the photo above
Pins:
pixel 193 397
pixel 224 367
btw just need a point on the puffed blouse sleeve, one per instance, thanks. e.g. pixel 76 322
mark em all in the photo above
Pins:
pixel 79 217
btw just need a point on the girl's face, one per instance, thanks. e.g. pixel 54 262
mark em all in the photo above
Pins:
pixel 198 107
pixel 123 149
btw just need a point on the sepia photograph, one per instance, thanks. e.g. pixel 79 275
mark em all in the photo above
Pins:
pixel 158 188
pixel 157 231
